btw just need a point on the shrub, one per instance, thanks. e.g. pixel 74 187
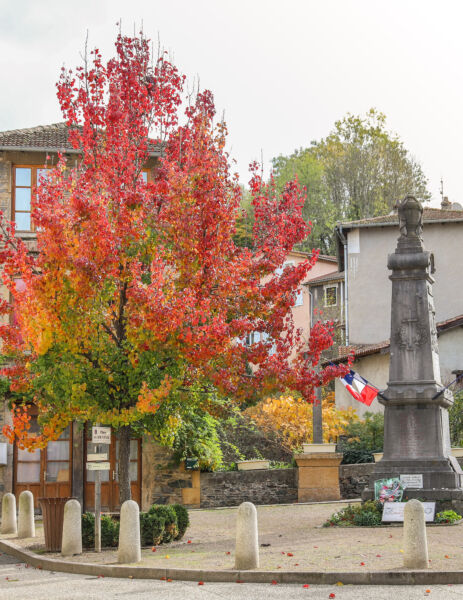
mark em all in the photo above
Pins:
pixel 183 520
pixel 152 526
pixel 197 437
pixel 88 530
pixel 109 532
pixel 362 439
pixel 367 514
pixel 169 515
pixel 447 516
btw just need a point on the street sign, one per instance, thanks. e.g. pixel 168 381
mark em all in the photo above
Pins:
pixel 101 435
pixel 93 457
pixel 98 466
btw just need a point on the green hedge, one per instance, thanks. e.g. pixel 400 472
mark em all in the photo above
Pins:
pixel 160 525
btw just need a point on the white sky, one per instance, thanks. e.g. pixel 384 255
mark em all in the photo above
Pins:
pixel 283 72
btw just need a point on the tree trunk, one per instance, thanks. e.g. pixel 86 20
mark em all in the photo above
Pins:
pixel 125 492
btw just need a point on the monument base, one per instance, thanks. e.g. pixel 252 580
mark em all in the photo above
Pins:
pixel 442 480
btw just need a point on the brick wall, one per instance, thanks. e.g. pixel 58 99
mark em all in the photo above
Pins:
pixel 230 488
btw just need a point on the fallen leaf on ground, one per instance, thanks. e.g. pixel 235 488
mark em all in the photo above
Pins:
pixel 306 585
pixel 290 554
pixel 227 552
pixel 163 578
pixel 189 542
pixel 362 564
pixel 378 556
pixel 446 556
pixel 167 556
pixel 274 582
pixel 200 582
pixel 339 583
pixel 169 580
pixel 153 549
pixel 428 591
pixel 332 595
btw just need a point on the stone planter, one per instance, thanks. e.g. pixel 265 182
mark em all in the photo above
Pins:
pixel 377 456
pixel 312 448
pixel 457 452
pixel 251 465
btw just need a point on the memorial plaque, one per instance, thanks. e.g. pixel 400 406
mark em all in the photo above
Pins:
pixel 413 480
pixel 98 466
pixel 394 511
pixel 101 435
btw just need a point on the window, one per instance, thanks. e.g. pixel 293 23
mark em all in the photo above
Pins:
pixel 25 180
pixel 331 295
pixel 299 298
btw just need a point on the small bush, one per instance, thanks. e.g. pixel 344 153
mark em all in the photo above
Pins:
pixel 367 514
pixel 109 532
pixel 183 520
pixel 447 516
pixel 169 515
pixel 152 528
pixel 88 530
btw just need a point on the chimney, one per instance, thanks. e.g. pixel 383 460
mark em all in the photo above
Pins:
pixel 445 204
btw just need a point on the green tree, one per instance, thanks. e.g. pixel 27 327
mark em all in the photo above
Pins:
pixel 359 170
pixel 366 169
pixel 318 208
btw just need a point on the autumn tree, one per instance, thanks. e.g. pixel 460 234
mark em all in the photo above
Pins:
pixel 137 302
pixel 291 419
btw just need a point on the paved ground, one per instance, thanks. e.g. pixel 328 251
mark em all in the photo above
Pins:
pixel 20 583
pixel 293 540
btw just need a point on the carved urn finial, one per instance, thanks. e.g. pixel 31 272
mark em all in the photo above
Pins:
pixel 410 217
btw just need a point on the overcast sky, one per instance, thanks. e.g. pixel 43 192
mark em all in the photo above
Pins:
pixel 283 72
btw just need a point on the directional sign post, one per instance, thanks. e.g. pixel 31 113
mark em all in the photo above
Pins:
pixel 100 435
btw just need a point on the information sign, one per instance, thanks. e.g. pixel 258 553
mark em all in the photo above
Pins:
pixel 394 511
pixel 94 457
pixel 101 435
pixel 98 466
pixel 413 480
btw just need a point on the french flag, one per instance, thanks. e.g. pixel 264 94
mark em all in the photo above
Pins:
pixel 359 388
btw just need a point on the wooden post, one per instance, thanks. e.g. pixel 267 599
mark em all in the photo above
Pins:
pixel 97 506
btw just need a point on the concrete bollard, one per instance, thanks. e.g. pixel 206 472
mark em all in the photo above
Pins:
pixel 72 529
pixel 129 550
pixel 9 524
pixel 247 538
pixel 26 523
pixel 415 541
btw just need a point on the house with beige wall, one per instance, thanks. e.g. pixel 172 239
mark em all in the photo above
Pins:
pixel 363 247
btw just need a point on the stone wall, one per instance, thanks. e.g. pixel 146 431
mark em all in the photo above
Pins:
pixel 230 488
pixel 353 479
pixel 162 480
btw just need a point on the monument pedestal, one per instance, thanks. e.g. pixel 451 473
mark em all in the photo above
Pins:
pixel 318 476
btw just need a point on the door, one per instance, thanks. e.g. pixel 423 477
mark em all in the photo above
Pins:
pixel 110 479
pixel 46 473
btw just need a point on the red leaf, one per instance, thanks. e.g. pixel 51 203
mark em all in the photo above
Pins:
pixel 200 582
pixel 274 582
pixel 306 585
pixel 332 595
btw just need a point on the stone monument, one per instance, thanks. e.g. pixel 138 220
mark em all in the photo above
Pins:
pixel 416 422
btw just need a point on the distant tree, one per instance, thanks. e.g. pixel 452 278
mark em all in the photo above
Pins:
pixel 359 170
pixel 366 169
pixel 243 236
pixel 318 207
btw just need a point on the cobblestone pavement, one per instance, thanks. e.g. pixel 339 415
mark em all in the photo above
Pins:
pixel 17 582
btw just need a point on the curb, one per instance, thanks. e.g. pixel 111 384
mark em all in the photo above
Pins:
pixel 230 576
